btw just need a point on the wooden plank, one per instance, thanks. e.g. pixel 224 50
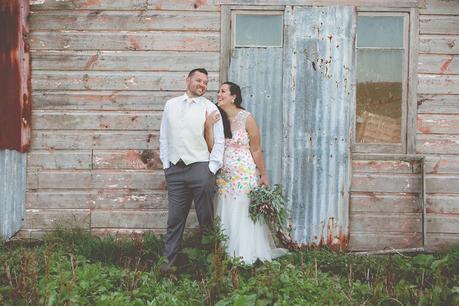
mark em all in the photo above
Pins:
pixel 147 40
pixel 441 241
pixel 83 140
pixel 375 223
pixel 106 179
pixel 96 199
pixel 129 199
pixel 135 219
pixel 60 159
pixel 442 183
pixel 125 20
pixel 438 64
pixel 62 199
pixel 66 60
pixel 440 44
pixel 100 120
pixel 437 144
pixel 374 182
pixel 382 166
pixel 32 178
pixel 128 232
pixel 438 124
pixel 120 80
pixel 102 100
pixel 127 159
pixel 438 223
pixel 64 218
pixel 439 104
pixel 207 5
pixel 383 203
pixel 384 241
pixel 412 89
pixel 366 3
pixel 438 84
pixel 434 24
pixel 442 164
pixel 438 7
pixel 442 203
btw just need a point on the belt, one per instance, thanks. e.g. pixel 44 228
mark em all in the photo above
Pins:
pixel 179 164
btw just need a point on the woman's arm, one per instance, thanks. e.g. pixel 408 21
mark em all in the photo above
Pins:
pixel 209 129
pixel 255 149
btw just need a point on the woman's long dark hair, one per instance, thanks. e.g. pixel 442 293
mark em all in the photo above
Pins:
pixel 234 90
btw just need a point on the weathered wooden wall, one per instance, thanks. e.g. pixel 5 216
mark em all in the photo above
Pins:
pixel 385 207
pixel 101 72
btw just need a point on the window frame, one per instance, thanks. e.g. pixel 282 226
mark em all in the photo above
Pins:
pixel 408 116
pixel 226 35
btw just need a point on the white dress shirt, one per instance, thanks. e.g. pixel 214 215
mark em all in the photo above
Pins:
pixel 182 133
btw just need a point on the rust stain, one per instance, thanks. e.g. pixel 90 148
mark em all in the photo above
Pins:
pixel 134 43
pixel 151 159
pixel 446 65
pixel 421 128
pixel 199 3
pixel 91 62
pixel 89 3
pixel 14 77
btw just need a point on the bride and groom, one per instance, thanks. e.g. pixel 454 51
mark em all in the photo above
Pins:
pixel 197 140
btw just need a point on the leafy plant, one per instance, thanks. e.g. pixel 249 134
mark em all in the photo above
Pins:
pixel 268 205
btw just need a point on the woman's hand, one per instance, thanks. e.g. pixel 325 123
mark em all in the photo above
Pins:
pixel 212 118
pixel 263 180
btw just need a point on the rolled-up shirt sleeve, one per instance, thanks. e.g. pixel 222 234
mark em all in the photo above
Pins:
pixel 163 140
pixel 216 156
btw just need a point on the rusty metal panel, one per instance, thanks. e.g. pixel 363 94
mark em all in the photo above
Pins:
pixel 12 192
pixel 14 77
pixel 259 73
pixel 319 105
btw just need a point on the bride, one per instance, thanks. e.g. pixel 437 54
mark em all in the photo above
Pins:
pixel 243 169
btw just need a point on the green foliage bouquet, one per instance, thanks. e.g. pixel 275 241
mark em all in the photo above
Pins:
pixel 268 205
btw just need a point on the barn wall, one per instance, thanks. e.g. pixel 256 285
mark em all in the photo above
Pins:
pixel 101 73
pixel 386 207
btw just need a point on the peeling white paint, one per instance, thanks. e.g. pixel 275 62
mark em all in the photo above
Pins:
pixel 37 2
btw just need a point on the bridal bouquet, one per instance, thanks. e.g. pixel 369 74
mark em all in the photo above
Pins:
pixel 269 206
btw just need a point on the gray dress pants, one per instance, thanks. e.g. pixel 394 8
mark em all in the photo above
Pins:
pixel 185 184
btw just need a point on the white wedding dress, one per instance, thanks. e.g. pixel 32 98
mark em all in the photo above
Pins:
pixel 247 240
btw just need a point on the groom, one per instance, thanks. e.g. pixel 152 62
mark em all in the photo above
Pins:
pixel 188 166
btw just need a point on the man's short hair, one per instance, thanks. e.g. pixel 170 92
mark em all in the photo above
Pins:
pixel 202 70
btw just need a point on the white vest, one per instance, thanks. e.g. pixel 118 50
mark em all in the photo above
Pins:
pixel 185 134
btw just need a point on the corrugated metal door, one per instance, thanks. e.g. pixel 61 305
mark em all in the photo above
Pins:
pixel 259 73
pixel 305 114
pixel 318 99
pixel 14 114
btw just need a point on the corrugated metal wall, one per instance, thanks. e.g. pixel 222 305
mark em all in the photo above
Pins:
pixel 259 73
pixel 14 114
pixel 12 192
pixel 302 97
pixel 318 99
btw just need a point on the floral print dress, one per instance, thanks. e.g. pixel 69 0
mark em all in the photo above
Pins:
pixel 247 240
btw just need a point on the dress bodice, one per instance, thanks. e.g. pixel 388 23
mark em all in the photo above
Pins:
pixel 238 174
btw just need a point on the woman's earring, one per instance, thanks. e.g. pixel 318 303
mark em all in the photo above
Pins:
pixel 232 101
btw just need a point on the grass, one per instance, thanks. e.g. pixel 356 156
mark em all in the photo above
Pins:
pixel 71 267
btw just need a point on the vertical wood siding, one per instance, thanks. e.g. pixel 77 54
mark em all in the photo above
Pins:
pixel 101 73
